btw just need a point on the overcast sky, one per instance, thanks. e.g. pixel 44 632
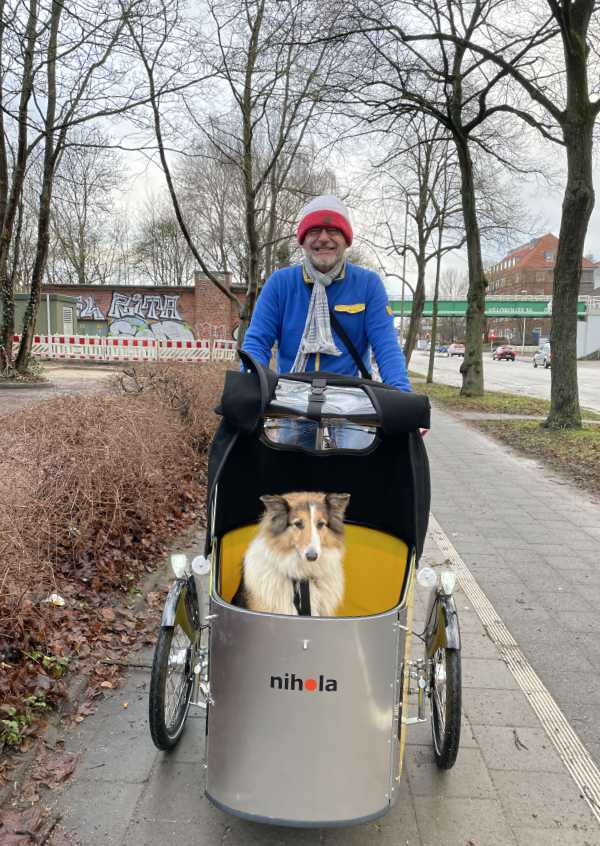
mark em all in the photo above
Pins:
pixel 543 201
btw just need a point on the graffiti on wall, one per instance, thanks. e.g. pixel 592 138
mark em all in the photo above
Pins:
pixel 88 308
pixel 147 316
pixel 139 315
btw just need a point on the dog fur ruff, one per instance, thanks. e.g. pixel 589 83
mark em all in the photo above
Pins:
pixel 301 537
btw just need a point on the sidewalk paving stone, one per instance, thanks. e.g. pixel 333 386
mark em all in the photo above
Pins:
pixel 489 708
pixel 544 801
pixel 488 673
pixel 468 778
pixel 525 748
pixel 99 814
pixel 458 822
pixel 554 837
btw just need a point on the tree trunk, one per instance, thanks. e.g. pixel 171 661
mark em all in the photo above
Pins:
pixel 578 203
pixel 434 305
pixel 417 309
pixel 9 205
pixel 472 365
pixel 248 119
pixel 43 229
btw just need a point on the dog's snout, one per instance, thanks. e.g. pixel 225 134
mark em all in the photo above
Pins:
pixel 311 554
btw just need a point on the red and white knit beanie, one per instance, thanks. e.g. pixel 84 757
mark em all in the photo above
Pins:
pixel 325 210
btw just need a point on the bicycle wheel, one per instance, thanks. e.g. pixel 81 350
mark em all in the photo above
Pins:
pixel 445 692
pixel 171 684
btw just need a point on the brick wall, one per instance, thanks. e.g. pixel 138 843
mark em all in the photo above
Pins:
pixel 196 311
pixel 213 307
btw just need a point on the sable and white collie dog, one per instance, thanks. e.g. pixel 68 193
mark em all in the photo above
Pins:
pixel 301 537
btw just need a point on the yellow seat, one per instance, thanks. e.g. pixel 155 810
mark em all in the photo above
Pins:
pixel 374 565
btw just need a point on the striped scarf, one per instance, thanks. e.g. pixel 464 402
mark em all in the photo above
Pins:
pixel 317 337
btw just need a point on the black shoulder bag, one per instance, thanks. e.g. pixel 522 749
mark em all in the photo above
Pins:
pixel 349 346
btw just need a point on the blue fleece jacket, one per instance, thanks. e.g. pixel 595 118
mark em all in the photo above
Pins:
pixel 360 303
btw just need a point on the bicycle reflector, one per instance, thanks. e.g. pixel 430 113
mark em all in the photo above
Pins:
pixel 426 577
pixel 447 582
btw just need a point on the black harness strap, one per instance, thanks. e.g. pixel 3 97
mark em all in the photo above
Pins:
pixel 316 398
pixel 302 597
pixel 349 346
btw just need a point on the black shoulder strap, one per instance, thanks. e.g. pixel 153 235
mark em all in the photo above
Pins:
pixel 349 346
pixel 302 597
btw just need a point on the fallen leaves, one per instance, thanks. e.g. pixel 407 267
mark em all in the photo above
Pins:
pixel 53 766
pixel 108 614
pixel 33 826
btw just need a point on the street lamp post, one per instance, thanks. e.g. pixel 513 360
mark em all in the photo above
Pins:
pixel 524 325
pixel 412 290
pixel 403 273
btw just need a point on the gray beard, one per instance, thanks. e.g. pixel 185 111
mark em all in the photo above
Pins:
pixel 318 276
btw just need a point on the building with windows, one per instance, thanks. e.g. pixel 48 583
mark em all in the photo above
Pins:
pixel 529 269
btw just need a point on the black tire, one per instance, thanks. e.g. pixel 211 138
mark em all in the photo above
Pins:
pixel 546 364
pixel 534 363
pixel 445 706
pixel 171 684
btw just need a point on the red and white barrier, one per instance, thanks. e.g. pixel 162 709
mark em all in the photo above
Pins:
pixel 131 349
pixel 224 350
pixel 185 350
pixel 88 348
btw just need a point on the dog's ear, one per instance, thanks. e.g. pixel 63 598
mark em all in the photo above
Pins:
pixel 336 507
pixel 278 509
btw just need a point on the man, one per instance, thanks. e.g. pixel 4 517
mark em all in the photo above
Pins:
pixel 295 304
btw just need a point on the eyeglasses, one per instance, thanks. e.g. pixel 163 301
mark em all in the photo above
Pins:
pixel 330 230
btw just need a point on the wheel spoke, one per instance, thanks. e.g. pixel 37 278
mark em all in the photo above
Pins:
pixel 178 673
pixel 445 705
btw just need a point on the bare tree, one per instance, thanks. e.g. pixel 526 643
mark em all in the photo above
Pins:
pixel 269 83
pixel 160 253
pixel 415 69
pixel 430 202
pixel 12 180
pixel 561 95
pixel 87 179
pixel 211 191
pixel 60 69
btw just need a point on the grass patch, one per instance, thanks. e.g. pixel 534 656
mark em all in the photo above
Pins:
pixel 494 402
pixel 575 454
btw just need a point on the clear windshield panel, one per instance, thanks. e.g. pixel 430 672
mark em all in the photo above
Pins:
pixel 349 402
pixel 324 435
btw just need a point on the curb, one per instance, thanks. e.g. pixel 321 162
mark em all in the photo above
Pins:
pixel 12 386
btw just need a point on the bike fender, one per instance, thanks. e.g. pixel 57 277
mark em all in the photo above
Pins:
pixel 178 608
pixel 442 629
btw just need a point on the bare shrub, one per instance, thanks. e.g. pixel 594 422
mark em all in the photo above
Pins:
pixel 90 487
pixel 191 391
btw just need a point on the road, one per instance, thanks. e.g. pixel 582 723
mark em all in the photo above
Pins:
pixel 63 379
pixel 518 377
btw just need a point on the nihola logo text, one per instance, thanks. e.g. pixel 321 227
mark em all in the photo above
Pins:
pixel 313 684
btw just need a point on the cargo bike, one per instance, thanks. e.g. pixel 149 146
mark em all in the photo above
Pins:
pixel 306 717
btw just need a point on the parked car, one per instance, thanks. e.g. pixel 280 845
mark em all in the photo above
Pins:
pixel 442 348
pixel 456 349
pixel 504 353
pixel 543 356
